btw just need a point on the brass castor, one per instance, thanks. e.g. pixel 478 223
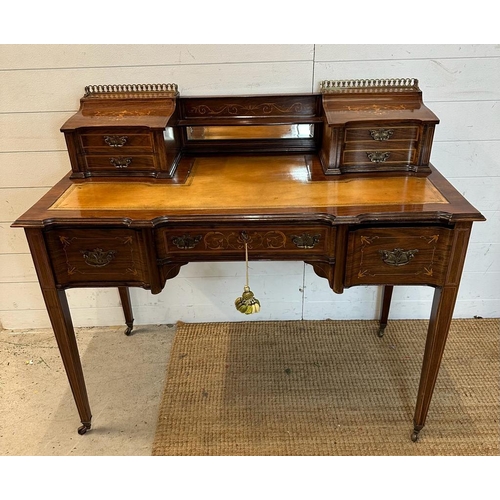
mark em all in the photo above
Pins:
pixel 381 331
pixel 414 436
pixel 130 327
pixel 83 429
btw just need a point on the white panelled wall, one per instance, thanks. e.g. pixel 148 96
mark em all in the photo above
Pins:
pixel 40 87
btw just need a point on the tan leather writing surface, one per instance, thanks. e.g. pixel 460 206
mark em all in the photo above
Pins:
pixel 246 183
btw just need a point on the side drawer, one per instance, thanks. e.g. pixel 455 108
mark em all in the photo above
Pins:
pixel 386 134
pixel 379 156
pixel 117 163
pixel 402 255
pixel 289 243
pixel 96 255
pixel 116 141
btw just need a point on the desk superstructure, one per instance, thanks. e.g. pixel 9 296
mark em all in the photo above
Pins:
pixel 339 179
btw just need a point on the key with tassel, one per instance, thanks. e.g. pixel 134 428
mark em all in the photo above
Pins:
pixel 247 303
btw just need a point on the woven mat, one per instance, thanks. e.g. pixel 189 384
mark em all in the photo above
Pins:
pixel 327 388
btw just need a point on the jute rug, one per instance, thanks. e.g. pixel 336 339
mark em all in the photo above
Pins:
pixel 327 388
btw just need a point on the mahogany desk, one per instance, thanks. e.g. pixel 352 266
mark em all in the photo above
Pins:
pixel 340 179
pixel 388 229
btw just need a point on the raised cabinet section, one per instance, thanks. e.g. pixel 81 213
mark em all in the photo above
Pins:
pixel 375 126
pixel 398 255
pixel 124 131
pixel 81 257
pixel 353 126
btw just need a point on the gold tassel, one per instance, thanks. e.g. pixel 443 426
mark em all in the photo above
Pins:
pixel 247 303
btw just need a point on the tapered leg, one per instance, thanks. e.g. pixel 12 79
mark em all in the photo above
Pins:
pixel 60 318
pixel 439 324
pixel 127 308
pixel 443 305
pixel 386 304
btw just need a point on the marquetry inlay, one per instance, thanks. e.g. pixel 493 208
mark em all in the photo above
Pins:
pixel 256 240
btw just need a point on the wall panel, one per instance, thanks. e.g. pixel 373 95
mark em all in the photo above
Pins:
pixel 60 90
pixel 374 52
pixel 440 79
pixel 22 57
pixel 33 168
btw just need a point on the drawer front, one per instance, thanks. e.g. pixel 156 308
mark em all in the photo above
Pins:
pixel 293 243
pixel 116 141
pixel 382 135
pixel 379 157
pixel 120 163
pixel 405 255
pixel 91 255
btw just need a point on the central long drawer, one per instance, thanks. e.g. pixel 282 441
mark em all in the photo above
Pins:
pixel 295 242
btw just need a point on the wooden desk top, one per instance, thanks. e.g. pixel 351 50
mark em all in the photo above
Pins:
pixel 254 183
pixel 241 186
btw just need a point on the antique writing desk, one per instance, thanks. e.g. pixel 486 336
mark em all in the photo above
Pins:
pixel 339 179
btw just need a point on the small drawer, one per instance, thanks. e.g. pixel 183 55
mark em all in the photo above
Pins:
pixel 403 255
pixel 96 255
pixel 292 243
pixel 116 141
pixel 379 157
pixel 120 162
pixel 378 134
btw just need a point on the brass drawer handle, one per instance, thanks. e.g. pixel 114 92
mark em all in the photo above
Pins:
pixel 98 257
pixel 378 157
pixel 120 162
pixel 398 256
pixel 381 134
pixel 115 141
pixel 186 242
pixel 305 240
